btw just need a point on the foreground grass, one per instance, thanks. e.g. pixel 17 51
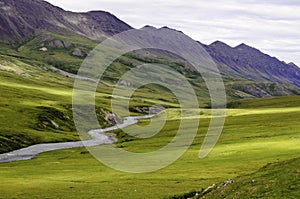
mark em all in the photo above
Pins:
pixel 249 142
pixel 275 180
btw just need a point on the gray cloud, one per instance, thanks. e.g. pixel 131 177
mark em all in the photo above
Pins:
pixel 270 25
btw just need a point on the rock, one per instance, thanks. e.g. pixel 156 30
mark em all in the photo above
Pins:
pixel 112 119
pixel 125 83
pixel 77 52
pixel 59 44
pixel 208 189
pixel 54 124
pixel 225 183
pixel 149 110
pixel 44 49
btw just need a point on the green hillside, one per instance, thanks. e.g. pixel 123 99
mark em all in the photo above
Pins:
pixel 36 103
pixel 36 107
pixel 67 52
pixel 275 180
pixel 252 138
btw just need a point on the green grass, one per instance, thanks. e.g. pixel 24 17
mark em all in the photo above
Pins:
pixel 259 103
pixel 249 142
pixel 62 58
pixel 256 132
pixel 36 105
pixel 24 100
pixel 275 180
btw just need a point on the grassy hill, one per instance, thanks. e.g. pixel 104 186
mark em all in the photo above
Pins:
pixel 67 52
pixel 274 180
pixel 252 138
pixel 36 107
pixel 38 59
pixel 36 103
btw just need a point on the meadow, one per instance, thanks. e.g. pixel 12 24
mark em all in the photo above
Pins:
pixel 252 138
pixel 36 107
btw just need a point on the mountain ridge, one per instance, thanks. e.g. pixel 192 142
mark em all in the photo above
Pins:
pixel 251 63
pixel 37 27
pixel 20 20
pixel 247 62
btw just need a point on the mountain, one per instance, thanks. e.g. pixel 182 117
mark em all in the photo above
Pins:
pixel 37 32
pixel 247 71
pixel 22 19
pixel 251 63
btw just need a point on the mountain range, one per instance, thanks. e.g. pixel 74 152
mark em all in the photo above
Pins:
pixel 22 19
pixel 62 39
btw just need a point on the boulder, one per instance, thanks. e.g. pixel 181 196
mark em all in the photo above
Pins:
pixel 59 44
pixel 44 49
pixel 77 52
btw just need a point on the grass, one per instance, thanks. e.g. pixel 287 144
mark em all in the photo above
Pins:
pixel 35 107
pixel 23 101
pixel 249 142
pixel 259 103
pixel 275 180
pixel 62 58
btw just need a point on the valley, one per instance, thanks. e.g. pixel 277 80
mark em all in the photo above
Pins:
pixel 249 142
pixel 257 153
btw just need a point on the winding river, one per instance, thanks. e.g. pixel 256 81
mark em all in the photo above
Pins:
pixel 99 136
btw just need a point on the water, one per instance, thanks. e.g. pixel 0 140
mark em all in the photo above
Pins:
pixel 98 136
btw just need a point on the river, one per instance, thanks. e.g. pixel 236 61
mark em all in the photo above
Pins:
pixel 99 137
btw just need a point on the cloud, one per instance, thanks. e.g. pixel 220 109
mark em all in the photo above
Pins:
pixel 270 25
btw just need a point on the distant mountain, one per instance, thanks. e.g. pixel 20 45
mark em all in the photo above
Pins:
pixel 244 61
pixel 22 19
pixel 261 74
pixel 251 63
pixel 62 39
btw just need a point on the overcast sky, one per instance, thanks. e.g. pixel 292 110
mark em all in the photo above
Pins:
pixel 273 26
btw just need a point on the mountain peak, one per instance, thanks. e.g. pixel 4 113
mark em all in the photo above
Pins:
pixel 243 46
pixel 292 64
pixel 219 44
pixel 162 28
pixel 148 27
pixel 27 16
pixel 172 29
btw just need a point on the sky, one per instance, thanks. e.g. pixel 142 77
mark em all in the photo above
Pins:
pixel 273 26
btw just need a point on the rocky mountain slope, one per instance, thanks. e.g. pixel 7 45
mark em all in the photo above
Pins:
pixel 38 31
pixel 22 19
pixel 250 72
pixel 251 63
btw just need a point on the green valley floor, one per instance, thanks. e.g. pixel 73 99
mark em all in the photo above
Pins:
pixel 253 137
